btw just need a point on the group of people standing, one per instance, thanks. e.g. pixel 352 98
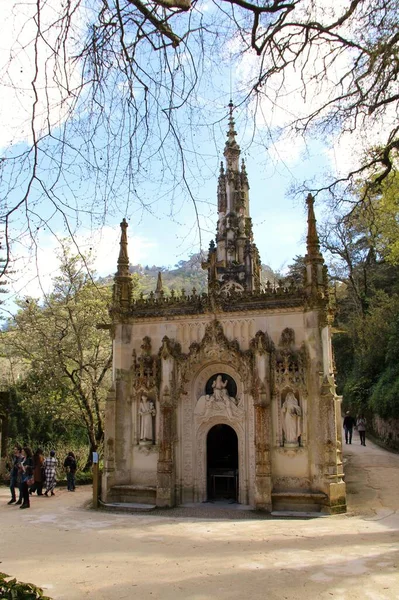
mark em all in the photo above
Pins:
pixel 30 473
pixel 360 424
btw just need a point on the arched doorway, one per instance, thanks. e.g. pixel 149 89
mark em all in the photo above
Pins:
pixel 222 463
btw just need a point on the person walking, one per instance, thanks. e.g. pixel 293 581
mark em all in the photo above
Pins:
pixel 50 468
pixel 361 427
pixel 70 468
pixel 349 423
pixel 17 458
pixel 38 473
pixel 26 475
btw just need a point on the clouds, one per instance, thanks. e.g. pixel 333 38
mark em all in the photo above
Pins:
pixel 34 271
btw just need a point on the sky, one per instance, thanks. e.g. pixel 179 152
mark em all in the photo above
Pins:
pixel 160 235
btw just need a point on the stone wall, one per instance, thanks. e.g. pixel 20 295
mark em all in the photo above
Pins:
pixel 387 430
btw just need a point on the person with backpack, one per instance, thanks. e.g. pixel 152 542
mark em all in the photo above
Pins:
pixel 70 467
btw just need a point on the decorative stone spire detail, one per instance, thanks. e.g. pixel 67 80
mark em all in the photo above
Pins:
pixel 312 240
pixel 122 290
pixel 231 149
pixel 222 197
pixel 123 260
pixel 159 289
pixel 233 264
pixel 316 272
pixel 244 176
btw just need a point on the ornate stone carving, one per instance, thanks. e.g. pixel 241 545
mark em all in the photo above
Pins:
pixel 275 385
pixel 219 402
pixel 290 367
pixel 144 367
pixel 231 287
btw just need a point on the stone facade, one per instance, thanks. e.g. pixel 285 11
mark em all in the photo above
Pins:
pixel 248 363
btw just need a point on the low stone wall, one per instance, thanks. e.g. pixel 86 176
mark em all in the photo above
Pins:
pixel 387 430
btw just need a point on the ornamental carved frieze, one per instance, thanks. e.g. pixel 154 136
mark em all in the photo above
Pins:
pixel 261 343
pixel 289 368
pixel 144 367
pixel 289 362
pixel 216 347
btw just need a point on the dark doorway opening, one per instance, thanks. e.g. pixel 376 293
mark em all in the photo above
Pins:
pixel 222 463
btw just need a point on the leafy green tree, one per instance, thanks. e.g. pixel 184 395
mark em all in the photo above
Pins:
pixel 367 302
pixel 66 359
pixel 296 272
pixel 384 398
pixel 383 203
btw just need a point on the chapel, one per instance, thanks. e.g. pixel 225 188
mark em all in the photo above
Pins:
pixel 227 396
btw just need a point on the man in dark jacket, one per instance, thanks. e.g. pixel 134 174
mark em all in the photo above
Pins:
pixel 349 423
pixel 16 460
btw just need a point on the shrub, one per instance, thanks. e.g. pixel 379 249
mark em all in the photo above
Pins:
pixel 11 589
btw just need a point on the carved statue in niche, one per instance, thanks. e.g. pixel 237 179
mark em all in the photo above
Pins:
pixel 220 394
pixel 219 401
pixel 291 418
pixel 147 413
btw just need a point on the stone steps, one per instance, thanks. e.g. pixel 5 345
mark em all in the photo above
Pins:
pixel 127 507
pixel 297 502
pixel 132 494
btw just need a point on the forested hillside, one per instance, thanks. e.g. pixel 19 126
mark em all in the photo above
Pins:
pixel 186 275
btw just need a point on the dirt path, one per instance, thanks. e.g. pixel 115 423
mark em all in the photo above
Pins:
pixel 76 553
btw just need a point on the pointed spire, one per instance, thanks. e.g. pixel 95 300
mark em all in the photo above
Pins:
pixel 312 240
pixel 122 291
pixel 231 149
pixel 159 288
pixel 233 263
pixel 123 260
pixel 316 279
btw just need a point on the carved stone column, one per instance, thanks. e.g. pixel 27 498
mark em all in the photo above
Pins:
pixel 165 469
pixel 332 469
pixel 167 403
pixel 261 395
pixel 263 482
pixel 109 446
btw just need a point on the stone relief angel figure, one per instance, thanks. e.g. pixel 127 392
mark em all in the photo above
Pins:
pixel 146 412
pixel 291 418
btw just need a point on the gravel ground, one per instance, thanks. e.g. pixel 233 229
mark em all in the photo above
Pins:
pixel 212 551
